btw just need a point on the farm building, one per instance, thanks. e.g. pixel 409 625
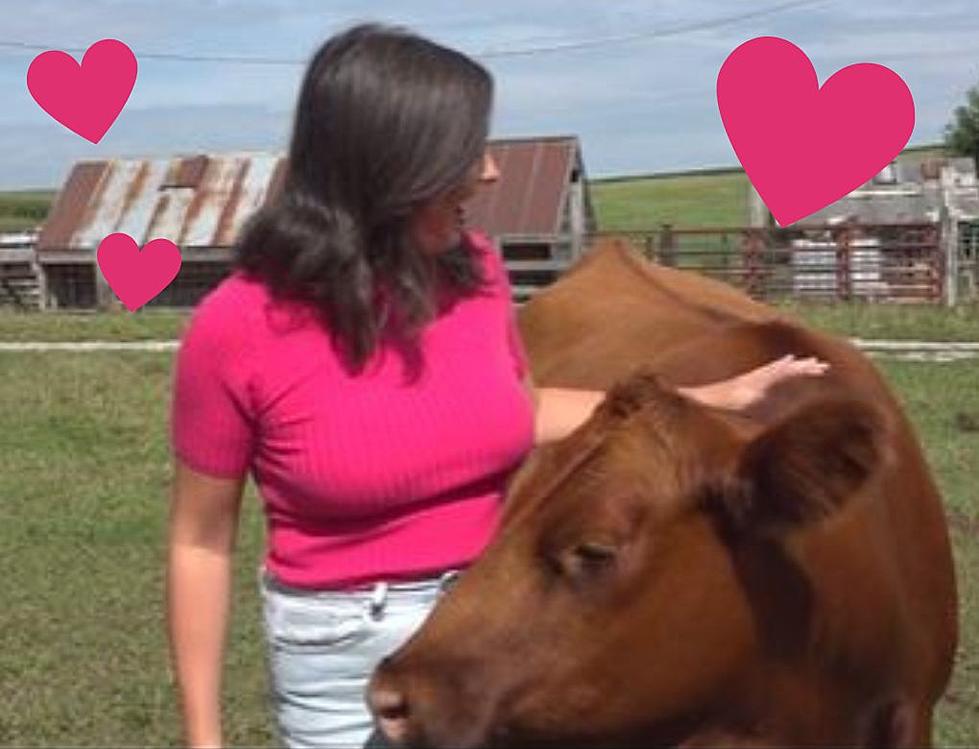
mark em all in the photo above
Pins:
pixel 919 191
pixel 909 190
pixel 537 212
pixel 20 274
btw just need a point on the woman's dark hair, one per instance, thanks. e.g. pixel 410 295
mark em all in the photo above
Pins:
pixel 386 120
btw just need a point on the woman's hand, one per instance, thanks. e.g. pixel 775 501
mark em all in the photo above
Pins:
pixel 745 390
pixel 559 411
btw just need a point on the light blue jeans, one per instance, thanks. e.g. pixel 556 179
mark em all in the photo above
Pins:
pixel 323 646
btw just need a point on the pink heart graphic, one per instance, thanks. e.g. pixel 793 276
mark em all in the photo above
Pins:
pixel 85 98
pixel 802 146
pixel 137 276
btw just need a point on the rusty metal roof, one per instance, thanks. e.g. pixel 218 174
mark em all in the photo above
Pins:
pixel 202 201
pixel 531 194
pixel 199 201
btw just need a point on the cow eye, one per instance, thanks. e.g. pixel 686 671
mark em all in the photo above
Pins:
pixel 589 557
pixel 595 553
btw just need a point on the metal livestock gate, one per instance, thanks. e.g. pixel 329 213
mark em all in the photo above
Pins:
pixel 880 262
pixel 883 262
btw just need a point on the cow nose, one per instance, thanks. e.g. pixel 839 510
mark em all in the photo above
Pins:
pixel 390 706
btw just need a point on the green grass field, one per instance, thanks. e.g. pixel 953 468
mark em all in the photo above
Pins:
pixel 24 209
pixel 84 480
pixel 714 198
pixel 901 322
pixel 633 204
pixel 84 476
pixel 687 201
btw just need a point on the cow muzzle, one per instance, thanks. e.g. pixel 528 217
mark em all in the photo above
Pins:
pixel 414 711
pixel 390 708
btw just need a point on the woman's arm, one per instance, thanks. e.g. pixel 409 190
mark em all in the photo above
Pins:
pixel 559 411
pixel 203 524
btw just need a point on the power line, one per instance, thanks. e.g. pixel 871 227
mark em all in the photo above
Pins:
pixel 162 55
pixel 654 34
pixel 486 55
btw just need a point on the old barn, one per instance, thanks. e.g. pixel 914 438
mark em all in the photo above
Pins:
pixel 538 213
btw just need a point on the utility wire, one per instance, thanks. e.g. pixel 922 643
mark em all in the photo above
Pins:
pixel 653 34
pixel 486 54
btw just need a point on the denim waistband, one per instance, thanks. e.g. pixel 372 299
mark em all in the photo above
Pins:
pixel 376 594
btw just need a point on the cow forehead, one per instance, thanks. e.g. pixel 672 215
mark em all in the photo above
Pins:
pixel 623 472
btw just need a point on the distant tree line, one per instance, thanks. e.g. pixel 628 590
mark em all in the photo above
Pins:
pixel 17 206
pixel 962 134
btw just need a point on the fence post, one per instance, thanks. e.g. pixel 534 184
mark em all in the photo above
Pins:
pixel 667 246
pixel 843 275
pixel 752 243
pixel 649 246
pixel 948 249
pixel 969 259
pixel 40 273
pixel 105 298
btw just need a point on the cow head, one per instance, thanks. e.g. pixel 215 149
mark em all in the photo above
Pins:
pixel 619 600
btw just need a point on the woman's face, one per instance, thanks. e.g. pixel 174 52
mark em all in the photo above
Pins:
pixel 438 224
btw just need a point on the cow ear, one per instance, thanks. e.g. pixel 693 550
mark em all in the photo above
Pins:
pixel 805 468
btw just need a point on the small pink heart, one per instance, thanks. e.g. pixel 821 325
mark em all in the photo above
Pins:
pixel 802 146
pixel 85 98
pixel 137 276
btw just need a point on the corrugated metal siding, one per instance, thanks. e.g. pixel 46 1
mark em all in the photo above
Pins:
pixel 530 196
pixel 277 181
pixel 203 201
pixel 257 179
pixel 172 206
pixel 200 201
pixel 201 224
pixel 106 211
pixel 190 172
pixel 138 215
pixel 71 204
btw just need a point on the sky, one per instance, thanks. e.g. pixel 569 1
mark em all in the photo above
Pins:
pixel 633 79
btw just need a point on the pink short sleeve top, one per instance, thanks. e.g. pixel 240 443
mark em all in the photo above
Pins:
pixel 362 478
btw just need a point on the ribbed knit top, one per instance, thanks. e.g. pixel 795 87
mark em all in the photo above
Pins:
pixel 362 478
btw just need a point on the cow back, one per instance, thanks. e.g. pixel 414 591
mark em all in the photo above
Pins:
pixel 614 311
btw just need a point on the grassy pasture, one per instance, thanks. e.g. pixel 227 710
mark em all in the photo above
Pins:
pixel 900 322
pixel 84 471
pixel 84 477
pixel 684 201
pixel 25 209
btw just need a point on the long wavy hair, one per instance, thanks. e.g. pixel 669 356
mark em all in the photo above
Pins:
pixel 386 121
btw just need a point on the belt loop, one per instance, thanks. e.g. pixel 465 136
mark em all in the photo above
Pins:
pixel 378 598
pixel 447 580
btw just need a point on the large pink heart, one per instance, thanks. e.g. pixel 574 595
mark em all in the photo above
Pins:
pixel 85 98
pixel 137 276
pixel 802 146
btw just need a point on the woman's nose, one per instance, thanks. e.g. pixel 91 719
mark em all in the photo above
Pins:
pixel 490 172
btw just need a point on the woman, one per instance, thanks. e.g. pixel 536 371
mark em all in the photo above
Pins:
pixel 363 362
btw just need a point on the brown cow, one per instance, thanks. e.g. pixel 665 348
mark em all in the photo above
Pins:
pixel 675 575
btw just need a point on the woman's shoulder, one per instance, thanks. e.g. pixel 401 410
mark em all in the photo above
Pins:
pixel 226 314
